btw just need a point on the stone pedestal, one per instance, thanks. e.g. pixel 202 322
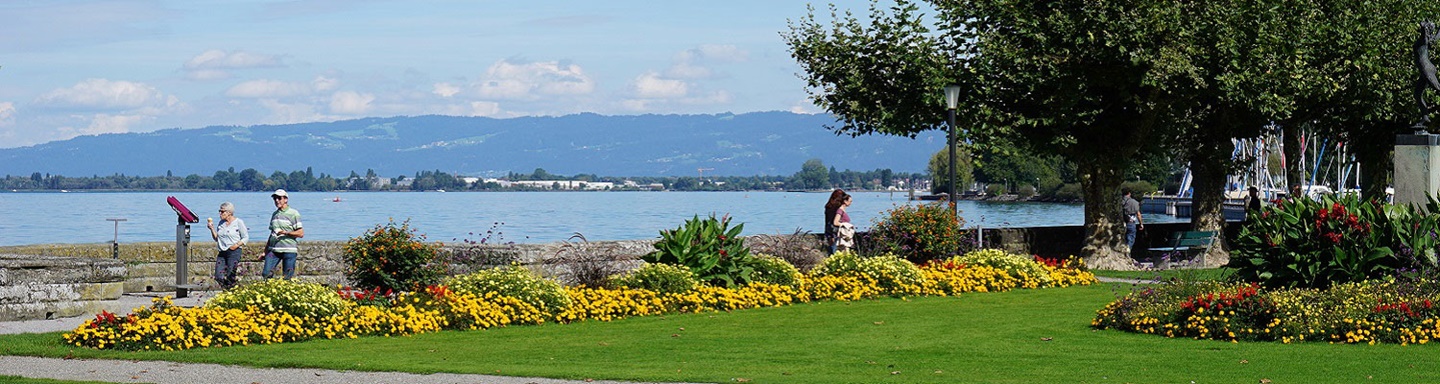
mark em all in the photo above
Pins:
pixel 1417 168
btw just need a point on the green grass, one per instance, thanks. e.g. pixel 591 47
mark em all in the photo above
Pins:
pixel 1210 274
pixel 1024 336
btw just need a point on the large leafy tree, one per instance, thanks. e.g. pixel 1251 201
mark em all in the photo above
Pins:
pixel 1103 83
pixel 1081 79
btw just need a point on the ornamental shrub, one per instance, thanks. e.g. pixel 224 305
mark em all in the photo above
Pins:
pixel 663 278
pixel 1019 267
pixel 513 281
pixel 392 257
pixel 920 232
pixel 774 270
pixel 1337 239
pixel 299 299
pixel 710 248
pixel 891 273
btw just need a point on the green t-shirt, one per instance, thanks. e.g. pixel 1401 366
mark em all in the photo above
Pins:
pixel 287 219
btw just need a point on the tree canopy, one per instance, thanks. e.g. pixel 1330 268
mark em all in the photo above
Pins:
pixel 1108 85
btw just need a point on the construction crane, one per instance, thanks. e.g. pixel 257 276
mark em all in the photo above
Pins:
pixel 702 171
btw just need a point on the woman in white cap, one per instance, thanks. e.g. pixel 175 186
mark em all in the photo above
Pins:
pixel 229 237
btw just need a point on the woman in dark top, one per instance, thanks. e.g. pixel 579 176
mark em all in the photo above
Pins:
pixel 832 207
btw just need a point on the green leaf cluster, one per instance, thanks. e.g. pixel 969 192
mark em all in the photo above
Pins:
pixel 710 248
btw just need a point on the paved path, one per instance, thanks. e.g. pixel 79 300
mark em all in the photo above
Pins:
pixel 1104 279
pixel 165 372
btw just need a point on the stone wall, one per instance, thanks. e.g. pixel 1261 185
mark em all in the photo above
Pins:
pixel 150 267
pixel 47 287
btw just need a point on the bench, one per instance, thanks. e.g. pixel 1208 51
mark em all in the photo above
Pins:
pixel 1182 246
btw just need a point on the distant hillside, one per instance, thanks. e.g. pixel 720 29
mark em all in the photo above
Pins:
pixel 762 143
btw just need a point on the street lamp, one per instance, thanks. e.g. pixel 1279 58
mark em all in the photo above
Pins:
pixel 952 100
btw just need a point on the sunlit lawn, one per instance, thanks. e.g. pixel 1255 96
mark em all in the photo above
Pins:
pixel 1024 336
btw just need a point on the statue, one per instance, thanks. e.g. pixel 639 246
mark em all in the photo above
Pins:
pixel 1427 75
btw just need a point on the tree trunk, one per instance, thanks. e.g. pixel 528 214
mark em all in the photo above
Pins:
pixel 1104 226
pixel 1207 166
pixel 1374 151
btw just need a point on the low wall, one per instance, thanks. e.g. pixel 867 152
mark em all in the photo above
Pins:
pixel 1068 240
pixel 61 280
pixel 150 267
pixel 47 287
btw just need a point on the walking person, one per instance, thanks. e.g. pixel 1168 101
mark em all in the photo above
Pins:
pixel 832 209
pixel 230 236
pixel 844 230
pixel 285 231
pixel 1133 220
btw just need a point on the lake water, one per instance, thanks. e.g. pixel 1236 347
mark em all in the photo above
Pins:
pixel 527 217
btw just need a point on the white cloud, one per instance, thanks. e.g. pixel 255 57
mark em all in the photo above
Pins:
pixel 652 86
pixel 285 113
pixel 693 63
pixel 722 52
pixel 105 94
pixel 445 90
pixel 218 59
pixel 213 64
pixel 7 113
pixel 350 103
pixel 805 106
pixel 686 70
pixel 265 89
pixel 324 84
pixel 484 108
pixel 512 80
pixel 105 123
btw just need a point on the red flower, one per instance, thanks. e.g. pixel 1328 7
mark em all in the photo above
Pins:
pixel 1334 237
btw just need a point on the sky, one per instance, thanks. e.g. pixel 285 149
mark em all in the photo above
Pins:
pixel 72 68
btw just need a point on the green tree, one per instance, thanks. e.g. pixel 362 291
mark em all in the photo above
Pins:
pixel 812 175
pixel 939 169
pixel 251 180
pixel 1078 79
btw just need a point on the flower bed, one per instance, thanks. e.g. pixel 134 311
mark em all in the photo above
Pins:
pixel 245 316
pixel 1376 311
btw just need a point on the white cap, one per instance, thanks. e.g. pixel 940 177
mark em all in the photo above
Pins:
pixel 280 193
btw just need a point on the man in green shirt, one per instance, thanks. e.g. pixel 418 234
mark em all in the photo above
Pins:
pixel 285 231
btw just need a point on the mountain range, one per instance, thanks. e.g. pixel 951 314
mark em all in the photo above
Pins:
pixel 759 143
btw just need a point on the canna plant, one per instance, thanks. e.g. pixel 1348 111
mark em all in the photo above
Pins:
pixel 710 248
pixel 1315 244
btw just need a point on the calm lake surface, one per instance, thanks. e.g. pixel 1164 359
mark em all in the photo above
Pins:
pixel 523 217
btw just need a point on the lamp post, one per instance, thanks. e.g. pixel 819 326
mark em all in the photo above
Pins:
pixel 952 100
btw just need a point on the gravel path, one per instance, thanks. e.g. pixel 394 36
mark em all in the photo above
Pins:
pixel 165 372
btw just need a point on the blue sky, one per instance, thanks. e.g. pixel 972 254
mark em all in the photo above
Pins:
pixel 70 68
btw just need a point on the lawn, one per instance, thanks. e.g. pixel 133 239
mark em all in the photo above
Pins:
pixel 1168 274
pixel 1023 336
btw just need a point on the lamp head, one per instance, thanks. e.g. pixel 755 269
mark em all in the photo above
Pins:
pixel 952 96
